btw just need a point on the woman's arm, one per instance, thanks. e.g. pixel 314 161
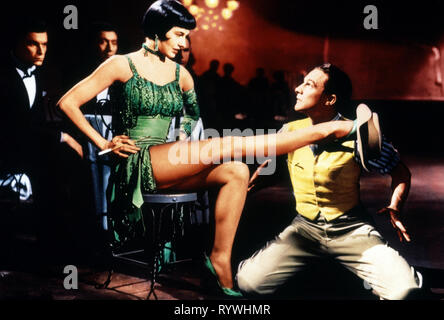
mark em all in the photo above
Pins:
pixel 191 107
pixel 114 69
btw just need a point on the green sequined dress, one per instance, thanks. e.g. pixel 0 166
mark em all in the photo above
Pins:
pixel 143 112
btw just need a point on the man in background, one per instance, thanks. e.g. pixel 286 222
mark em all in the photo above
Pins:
pixel 31 144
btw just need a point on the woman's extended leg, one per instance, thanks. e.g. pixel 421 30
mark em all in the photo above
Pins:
pixel 175 162
pixel 232 179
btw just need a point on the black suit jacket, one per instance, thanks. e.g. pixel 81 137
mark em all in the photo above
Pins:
pixel 24 131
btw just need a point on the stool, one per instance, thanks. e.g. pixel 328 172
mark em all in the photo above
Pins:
pixel 168 213
pixel 160 205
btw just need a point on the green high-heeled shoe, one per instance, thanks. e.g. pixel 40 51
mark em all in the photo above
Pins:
pixel 227 291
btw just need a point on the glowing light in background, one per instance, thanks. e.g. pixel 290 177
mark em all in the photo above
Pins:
pixel 212 3
pixel 232 5
pixel 214 10
pixel 194 10
pixel 227 13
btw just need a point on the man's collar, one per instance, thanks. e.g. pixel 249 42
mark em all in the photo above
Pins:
pixel 337 117
pixel 26 69
pixel 315 148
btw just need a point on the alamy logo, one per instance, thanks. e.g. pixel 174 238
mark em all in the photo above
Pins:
pixel 371 21
pixel 71 281
pixel 248 146
pixel 71 21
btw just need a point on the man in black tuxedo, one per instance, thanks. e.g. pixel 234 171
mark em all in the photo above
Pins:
pixel 24 114
pixel 29 143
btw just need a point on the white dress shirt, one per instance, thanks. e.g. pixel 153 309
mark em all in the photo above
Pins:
pixel 30 83
pixel 104 95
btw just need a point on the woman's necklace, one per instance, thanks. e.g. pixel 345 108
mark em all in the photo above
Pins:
pixel 157 53
pixel 149 49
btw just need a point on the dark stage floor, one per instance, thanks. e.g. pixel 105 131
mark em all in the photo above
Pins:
pixel 28 274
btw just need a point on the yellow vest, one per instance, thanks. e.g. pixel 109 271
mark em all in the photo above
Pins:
pixel 327 183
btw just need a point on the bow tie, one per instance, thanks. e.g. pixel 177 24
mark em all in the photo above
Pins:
pixel 28 74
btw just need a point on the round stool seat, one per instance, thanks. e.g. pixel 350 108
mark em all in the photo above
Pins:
pixel 169 198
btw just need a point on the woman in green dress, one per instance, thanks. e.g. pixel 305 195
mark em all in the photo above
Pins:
pixel 153 89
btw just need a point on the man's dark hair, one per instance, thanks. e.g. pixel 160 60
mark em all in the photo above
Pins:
pixel 27 25
pixel 338 83
pixel 99 26
pixel 163 15
pixel 95 28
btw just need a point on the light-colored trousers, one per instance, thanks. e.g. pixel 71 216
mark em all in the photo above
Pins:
pixel 351 240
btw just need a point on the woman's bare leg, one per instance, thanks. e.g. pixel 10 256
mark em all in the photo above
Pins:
pixel 171 168
pixel 232 179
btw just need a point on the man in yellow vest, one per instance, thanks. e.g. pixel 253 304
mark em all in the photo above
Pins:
pixel 331 220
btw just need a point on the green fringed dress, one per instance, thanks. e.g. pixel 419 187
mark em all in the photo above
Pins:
pixel 143 112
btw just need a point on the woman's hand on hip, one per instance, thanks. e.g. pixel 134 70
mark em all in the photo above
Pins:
pixel 122 146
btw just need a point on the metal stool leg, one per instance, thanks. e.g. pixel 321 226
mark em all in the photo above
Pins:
pixel 107 281
pixel 111 266
pixel 152 258
pixel 156 252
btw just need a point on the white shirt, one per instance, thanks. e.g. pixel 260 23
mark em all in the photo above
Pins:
pixel 104 95
pixel 30 84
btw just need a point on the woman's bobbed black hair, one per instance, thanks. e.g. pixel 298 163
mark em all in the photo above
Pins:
pixel 163 15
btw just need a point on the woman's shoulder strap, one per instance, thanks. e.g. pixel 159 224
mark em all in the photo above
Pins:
pixel 177 71
pixel 131 64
